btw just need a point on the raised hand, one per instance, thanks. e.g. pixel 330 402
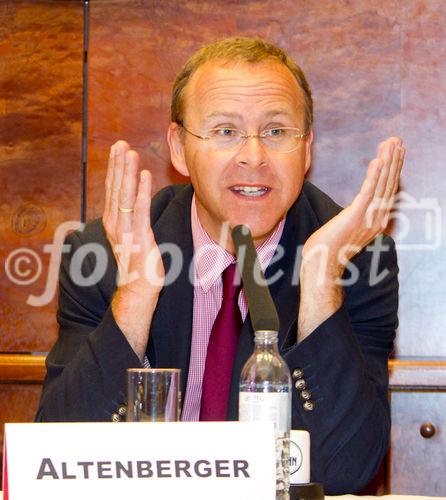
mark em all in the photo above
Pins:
pixel 326 251
pixel 126 221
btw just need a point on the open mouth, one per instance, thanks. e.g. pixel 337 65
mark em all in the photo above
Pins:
pixel 250 191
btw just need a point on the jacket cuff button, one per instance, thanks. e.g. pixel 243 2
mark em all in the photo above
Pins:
pixel 298 373
pixel 305 395
pixel 308 406
pixel 300 384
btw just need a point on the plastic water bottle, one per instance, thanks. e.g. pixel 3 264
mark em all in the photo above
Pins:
pixel 265 394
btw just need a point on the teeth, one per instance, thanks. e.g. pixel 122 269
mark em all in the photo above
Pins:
pixel 250 190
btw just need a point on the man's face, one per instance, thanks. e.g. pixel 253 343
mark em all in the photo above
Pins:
pixel 250 184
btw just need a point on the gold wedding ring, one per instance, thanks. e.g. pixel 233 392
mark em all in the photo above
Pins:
pixel 125 210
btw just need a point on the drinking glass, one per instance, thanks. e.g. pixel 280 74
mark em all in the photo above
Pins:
pixel 153 395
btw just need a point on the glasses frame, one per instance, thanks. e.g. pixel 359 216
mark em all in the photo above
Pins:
pixel 244 136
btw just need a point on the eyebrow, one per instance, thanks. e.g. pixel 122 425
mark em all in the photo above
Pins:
pixel 227 114
pixel 222 114
pixel 279 111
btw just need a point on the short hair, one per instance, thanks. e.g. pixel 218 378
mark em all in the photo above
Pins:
pixel 238 49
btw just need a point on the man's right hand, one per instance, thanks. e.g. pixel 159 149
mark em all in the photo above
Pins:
pixel 126 221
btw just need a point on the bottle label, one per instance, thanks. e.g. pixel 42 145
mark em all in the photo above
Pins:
pixel 266 406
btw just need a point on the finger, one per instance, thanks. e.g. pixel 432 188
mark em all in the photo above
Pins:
pixel 363 204
pixel 400 166
pixel 383 198
pixel 366 194
pixel 382 149
pixel 393 170
pixel 141 223
pixel 153 267
pixel 120 150
pixel 108 182
pixel 386 157
pixel 383 145
pixel 127 193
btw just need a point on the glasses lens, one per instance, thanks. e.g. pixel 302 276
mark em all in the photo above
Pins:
pixel 282 139
pixel 225 138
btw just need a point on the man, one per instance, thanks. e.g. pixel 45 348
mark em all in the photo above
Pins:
pixel 241 129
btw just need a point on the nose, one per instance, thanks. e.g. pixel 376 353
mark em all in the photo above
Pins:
pixel 251 153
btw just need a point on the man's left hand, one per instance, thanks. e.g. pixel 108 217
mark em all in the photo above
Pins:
pixel 327 250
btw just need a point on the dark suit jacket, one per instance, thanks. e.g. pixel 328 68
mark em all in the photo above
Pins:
pixel 344 361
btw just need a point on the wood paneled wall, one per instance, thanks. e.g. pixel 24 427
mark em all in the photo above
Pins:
pixel 40 150
pixel 376 68
pixel 41 54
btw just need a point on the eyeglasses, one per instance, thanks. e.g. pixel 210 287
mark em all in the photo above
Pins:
pixel 280 139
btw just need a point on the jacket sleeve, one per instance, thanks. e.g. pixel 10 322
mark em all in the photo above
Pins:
pixel 86 368
pixel 344 365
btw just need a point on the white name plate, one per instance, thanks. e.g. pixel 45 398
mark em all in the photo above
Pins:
pixel 184 460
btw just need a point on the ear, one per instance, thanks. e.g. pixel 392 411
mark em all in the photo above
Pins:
pixel 308 143
pixel 176 147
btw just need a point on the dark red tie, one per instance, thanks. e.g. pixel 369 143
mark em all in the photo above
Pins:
pixel 221 351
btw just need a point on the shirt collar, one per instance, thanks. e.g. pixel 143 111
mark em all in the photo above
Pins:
pixel 210 259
